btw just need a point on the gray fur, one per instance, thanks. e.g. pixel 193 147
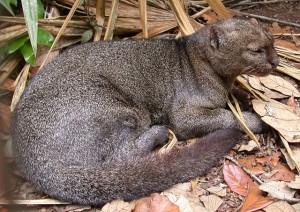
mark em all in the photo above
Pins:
pixel 87 127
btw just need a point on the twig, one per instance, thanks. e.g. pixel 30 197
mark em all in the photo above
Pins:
pixel 271 19
pixel 246 170
pixel 34 202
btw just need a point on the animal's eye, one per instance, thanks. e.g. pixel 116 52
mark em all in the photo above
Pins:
pixel 260 51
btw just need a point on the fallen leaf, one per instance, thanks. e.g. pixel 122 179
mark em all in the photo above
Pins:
pixel 248 147
pixel 279 84
pixel 286 44
pixel 211 202
pixel 221 192
pixel 256 84
pixel 276 29
pixel 251 164
pixel 237 179
pixel 182 202
pixel 8 84
pixel 283 173
pixel 278 189
pixel 184 190
pixel 296 151
pixel 291 102
pixel 210 17
pixel 283 118
pixel 157 203
pixel 118 205
pixel 294 184
pixel 279 206
pixel 295 206
pixel 272 159
pixel 255 200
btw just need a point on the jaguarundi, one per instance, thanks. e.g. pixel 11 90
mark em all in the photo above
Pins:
pixel 87 128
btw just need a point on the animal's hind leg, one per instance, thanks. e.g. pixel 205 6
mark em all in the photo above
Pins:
pixel 150 140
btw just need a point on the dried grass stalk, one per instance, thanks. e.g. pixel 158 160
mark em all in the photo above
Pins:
pixel 100 17
pixel 143 12
pixel 77 2
pixel 219 8
pixel 112 20
pixel 182 19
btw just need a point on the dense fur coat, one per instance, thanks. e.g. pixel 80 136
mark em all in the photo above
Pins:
pixel 87 127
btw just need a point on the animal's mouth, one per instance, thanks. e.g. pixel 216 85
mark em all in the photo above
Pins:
pixel 264 70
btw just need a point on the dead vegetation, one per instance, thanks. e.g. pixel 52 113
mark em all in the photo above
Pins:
pixel 254 168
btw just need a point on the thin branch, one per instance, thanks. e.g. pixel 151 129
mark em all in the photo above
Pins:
pixel 259 2
pixel 246 170
pixel 271 19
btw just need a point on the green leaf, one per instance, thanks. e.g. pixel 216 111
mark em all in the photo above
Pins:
pixel 6 4
pixel 16 44
pixel 40 8
pixel 44 37
pixel 27 53
pixel 86 36
pixel 31 19
pixel 14 2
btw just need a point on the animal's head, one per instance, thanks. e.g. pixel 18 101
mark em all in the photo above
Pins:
pixel 239 46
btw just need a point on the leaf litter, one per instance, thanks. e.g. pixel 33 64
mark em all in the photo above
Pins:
pixel 209 193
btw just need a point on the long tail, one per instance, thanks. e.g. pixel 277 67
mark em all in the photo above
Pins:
pixel 141 176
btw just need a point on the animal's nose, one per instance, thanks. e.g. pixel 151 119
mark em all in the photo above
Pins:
pixel 274 62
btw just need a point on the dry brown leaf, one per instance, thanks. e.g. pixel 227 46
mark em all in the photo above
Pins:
pixel 295 148
pixel 251 164
pixel 283 118
pixel 178 191
pixel 237 179
pixel 157 203
pixel 256 84
pixel 291 102
pixel 295 206
pixel 182 202
pixel 241 183
pixel 286 44
pixel 118 205
pixel 294 184
pixel 279 84
pixel 273 159
pixel 278 189
pixel 217 190
pixel 8 85
pixel 255 200
pixel 210 17
pixel 248 147
pixel 276 29
pixel 283 206
pixel 211 202
pixel 283 173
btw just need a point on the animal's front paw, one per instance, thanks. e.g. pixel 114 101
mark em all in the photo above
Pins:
pixel 254 122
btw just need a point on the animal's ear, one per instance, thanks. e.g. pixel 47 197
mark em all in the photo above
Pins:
pixel 216 35
pixel 254 21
